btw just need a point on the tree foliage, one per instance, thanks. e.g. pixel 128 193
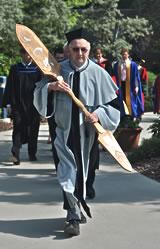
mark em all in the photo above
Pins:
pixel 114 31
pixel 150 9
pixel 10 13
pixel 50 20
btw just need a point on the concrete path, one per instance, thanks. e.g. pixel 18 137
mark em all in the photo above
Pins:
pixel 126 210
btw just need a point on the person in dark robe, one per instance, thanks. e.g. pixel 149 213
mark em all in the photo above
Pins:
pixel 76 137
pixel 130 87
pixel 156 95
pixel 18 98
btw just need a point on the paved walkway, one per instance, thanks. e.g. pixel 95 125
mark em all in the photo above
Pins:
pixel 126 210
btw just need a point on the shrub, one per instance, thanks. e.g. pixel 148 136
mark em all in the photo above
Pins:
pixel 128 122
pixel 148 149
pixel 151 78
pixel 148 104
pixel 155 129
pixel 6 62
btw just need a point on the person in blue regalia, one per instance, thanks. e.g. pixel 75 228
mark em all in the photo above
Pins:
pixel 129 84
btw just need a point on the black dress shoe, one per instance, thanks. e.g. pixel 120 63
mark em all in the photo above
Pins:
pixel 83 219
pixel 32 158
pixel 72 228
pixel 15 159
pixel 90 192
pixel 17 162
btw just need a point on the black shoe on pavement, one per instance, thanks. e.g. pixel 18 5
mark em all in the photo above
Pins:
pixel 15 159
pixel 72 228
pixel 83 219
pixel 90 192
pixel 17 162
pixel 32 158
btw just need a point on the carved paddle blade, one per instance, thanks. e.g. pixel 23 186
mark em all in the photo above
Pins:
pixel 36 49
pixel 108 141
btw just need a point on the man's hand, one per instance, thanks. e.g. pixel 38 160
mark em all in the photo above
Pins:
pixel 92 118
pixel 136 90
pixel 58 85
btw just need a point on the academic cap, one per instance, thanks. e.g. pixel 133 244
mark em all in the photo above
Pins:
pixel 138 59
pixel 80 33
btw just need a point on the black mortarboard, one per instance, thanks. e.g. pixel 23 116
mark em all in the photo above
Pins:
pixel 138 59
pixel 80 33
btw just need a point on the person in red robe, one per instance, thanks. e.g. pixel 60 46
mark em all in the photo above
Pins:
pixel 101 61
pixel 156 95
pixel 143 76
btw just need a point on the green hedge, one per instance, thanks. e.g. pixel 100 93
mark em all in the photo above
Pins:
pixel 6 62
pixel 149 148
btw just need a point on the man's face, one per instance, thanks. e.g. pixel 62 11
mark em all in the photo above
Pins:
pixel 59 57
pixel 79 51
pixel 98 54
pixel 26 57
pixel 125 55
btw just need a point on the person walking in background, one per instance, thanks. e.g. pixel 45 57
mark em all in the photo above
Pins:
pixel 59 54
pixel 143 76
pixel 156 95
pixel 18 97
pixel 75 135
pixel 129 84
pixel 101 61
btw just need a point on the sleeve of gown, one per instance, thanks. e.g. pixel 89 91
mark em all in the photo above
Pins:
pixel 41 98
pixel 8 97
pixel 109 115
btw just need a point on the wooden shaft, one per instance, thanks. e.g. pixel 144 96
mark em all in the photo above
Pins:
pixel 97 126
pixel 78 103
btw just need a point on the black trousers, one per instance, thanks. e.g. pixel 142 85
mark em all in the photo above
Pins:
pixel 52 127
pixel 93 164
pixel 123 88
pixel 24 133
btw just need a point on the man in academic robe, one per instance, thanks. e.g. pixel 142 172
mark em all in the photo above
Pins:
pixel 75 134
pixel 18 98
pixel 129 84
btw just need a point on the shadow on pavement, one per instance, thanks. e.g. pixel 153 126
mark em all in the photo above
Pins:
pixel 35 228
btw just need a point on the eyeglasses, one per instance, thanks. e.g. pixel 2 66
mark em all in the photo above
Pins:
pixel 76 49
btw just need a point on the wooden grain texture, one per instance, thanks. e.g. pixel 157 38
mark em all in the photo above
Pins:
pixel 36 49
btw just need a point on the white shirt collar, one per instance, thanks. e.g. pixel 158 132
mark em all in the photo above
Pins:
pixel 79 68
pixel 26 64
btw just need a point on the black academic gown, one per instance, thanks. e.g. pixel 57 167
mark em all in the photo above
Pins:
pixel 19 95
